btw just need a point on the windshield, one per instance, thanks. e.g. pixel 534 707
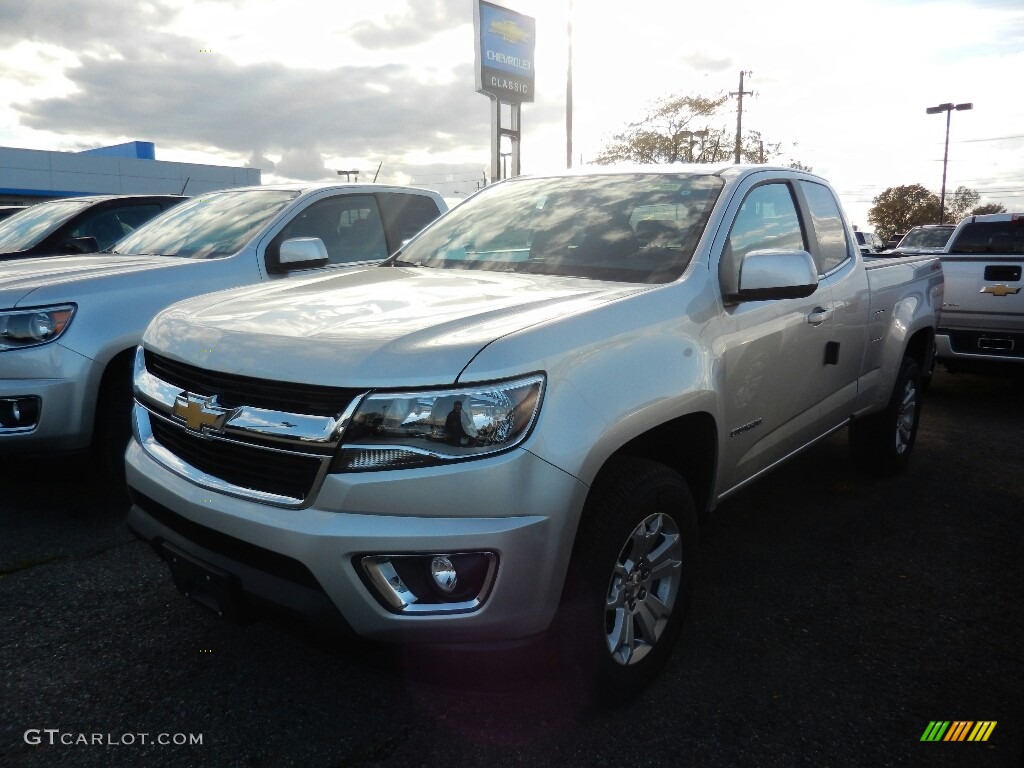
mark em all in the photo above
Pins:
pixel 933 237
pixel 29 227
pixel 640 228
pixel 217 224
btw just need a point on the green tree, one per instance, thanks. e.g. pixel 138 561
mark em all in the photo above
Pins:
pixel 898 209
pixel 988 208
pixel 959 203
pixel 676 129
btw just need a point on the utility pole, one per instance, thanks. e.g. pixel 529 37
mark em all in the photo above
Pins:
pixel 739 114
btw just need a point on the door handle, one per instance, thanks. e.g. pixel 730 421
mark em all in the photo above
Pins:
pixel 819 315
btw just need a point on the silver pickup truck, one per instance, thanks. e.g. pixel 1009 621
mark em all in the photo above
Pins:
pixel 511 429
pixel 69 325
pixel 981 326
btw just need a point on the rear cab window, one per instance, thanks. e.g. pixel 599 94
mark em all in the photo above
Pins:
pixel 833 248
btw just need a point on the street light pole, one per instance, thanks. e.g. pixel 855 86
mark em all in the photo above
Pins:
pixel 691 137
pixel 948 108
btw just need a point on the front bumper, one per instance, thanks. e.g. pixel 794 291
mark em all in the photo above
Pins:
pixel 306 561
pixel 62 380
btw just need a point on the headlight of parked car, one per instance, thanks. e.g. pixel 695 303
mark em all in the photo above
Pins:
pixel 30 327
pixel 400 430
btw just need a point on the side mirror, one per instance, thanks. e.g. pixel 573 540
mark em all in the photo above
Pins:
pixel 776 274
pixel 298 253
pixel 80 245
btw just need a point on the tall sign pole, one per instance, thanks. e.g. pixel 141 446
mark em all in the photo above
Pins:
pixel 505 44
pixel 568 90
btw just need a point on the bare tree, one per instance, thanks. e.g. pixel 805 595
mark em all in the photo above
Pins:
pixel 677 129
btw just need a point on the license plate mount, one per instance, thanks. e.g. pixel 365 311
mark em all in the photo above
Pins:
pixel 213 588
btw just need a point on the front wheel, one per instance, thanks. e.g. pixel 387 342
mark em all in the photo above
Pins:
pixel 629 582
pixel 113 428
pixel 883 441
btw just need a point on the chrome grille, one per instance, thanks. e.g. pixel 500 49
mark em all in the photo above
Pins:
pixel 264 440
pixel 234 390
pixel 243 466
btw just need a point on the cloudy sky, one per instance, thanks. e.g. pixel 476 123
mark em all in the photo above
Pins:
pixel 303 88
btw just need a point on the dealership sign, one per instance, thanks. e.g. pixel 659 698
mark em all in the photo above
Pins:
pixel 505 43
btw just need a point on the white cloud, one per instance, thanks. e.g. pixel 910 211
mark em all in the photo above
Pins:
pixel 312 84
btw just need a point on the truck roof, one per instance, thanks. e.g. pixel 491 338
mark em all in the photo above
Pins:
pixel 312 186
pixel 704 169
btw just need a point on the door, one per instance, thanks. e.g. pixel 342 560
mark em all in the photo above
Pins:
pixel 773 352
pixel 846 278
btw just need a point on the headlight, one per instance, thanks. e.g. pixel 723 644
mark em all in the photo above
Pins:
pixel 399 430
pixel 31 327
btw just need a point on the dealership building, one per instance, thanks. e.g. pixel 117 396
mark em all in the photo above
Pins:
pixel 30 175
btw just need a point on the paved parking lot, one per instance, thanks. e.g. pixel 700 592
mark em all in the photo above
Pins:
pixel 836 616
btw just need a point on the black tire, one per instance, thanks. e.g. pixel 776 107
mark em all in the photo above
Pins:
pixel 629 583
pixel 883 441
pixel 929 374
pixel 112 428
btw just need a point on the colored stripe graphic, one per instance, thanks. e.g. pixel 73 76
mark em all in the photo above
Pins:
pixel 958 730
pixel 982 730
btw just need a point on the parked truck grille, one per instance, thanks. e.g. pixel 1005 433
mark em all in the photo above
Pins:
pixel 269 441
pixel 233 390
pixel 245 467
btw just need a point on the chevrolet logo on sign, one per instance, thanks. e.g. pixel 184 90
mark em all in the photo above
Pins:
pixel 509 31
pixel 999 290
pixel 200 414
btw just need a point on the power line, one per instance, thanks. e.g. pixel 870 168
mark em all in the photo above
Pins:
pixel 991 138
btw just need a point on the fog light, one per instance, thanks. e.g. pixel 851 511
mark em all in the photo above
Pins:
pixel 19 413
pixel 430 583
pixel 444 574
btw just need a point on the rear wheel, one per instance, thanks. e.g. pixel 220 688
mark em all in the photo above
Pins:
pixel 883 441
pixel 629 582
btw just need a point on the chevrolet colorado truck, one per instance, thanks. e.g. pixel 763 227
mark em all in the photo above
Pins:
pixel 509 431
pixel 69 325
pixel 981 325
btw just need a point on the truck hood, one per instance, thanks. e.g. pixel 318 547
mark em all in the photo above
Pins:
pixel 53 278
pixel 373 327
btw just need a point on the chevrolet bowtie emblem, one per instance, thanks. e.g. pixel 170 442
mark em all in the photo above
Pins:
pixel 999 290
pixel 509 31
pixel 199 412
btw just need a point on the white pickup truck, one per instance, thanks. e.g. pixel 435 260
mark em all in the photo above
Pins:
pixel 510 430
pixel 69 325
pixel 981 326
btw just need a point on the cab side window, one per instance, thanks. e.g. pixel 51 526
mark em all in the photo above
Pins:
pixel 767 219
pixel 111 224
pixel 349 225
pixel 833 247
pixel 406 215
